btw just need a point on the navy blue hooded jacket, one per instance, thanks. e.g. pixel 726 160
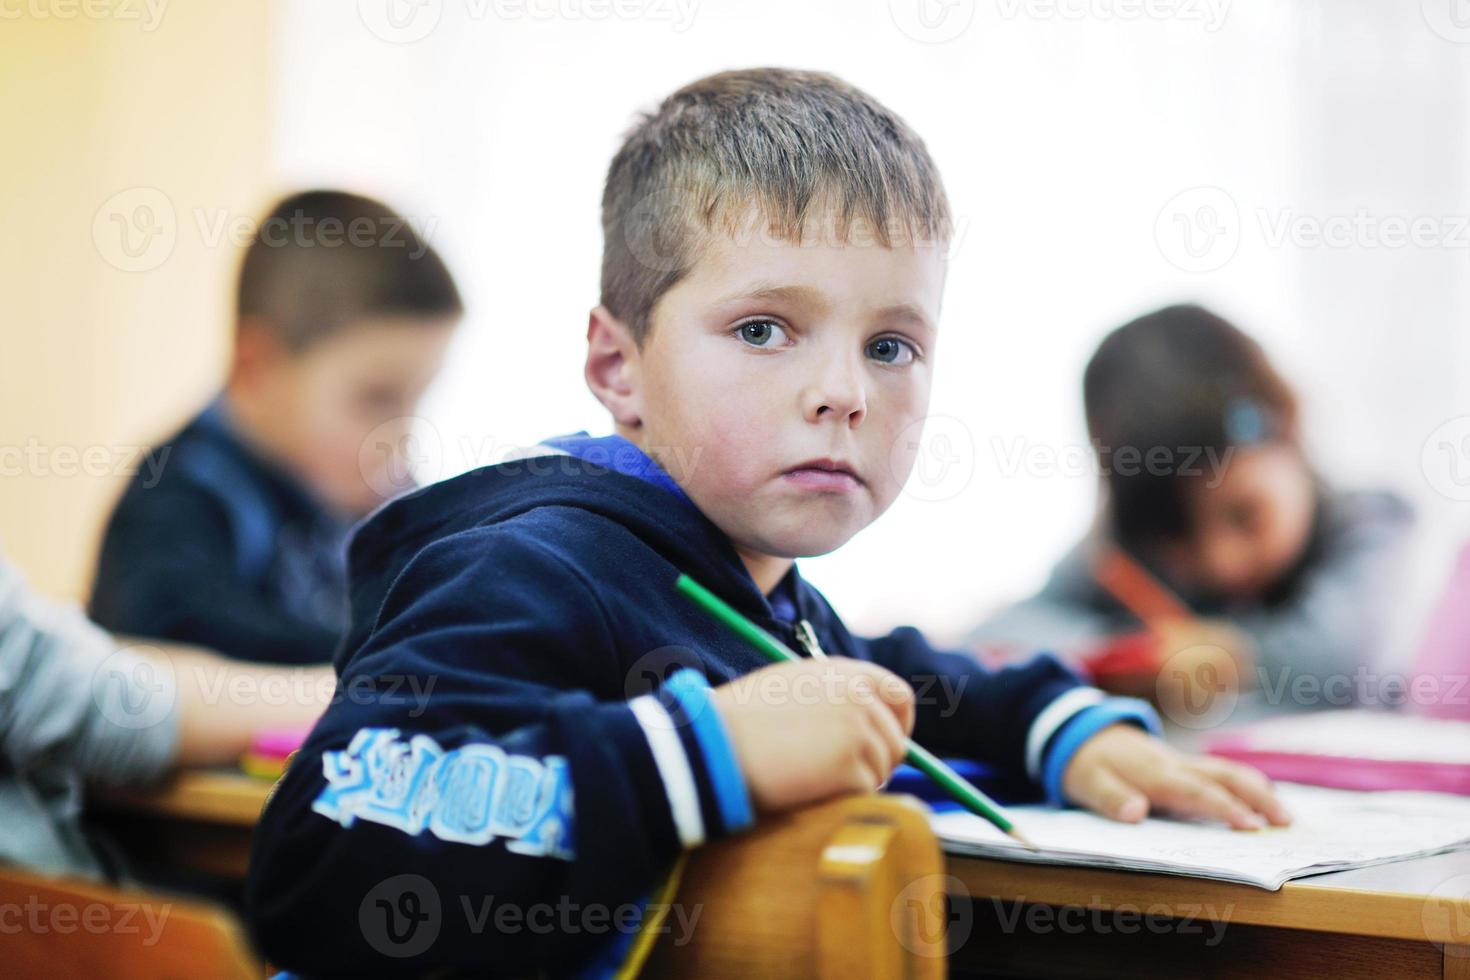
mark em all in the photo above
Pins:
pixel 502 734
pixel 213 544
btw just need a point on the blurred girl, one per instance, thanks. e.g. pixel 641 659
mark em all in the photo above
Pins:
pixel 1217 542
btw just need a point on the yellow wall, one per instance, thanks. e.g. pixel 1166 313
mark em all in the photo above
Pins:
pixel 101 352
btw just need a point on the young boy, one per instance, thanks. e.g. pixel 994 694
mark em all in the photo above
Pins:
pixel 343 315
pixel 773 259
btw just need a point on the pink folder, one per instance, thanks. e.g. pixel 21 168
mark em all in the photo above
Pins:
pixel 1361 750
pixel 1427 747
pixel 278 743
pixel 1443 663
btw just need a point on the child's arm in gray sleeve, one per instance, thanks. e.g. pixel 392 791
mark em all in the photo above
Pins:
pixel 71 698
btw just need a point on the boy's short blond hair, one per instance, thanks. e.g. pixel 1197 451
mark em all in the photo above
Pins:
pixel 793 146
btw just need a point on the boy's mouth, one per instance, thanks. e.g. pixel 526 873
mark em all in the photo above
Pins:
pixel 826 475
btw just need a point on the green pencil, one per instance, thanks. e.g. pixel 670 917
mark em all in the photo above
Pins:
pixel 917 756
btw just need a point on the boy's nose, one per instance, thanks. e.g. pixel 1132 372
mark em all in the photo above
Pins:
pixel 839 394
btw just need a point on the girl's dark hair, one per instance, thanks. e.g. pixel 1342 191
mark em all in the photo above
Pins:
pixel 1186 386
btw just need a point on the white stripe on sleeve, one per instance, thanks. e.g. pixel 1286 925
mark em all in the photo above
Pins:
pixel 673 768
pixel 1052 718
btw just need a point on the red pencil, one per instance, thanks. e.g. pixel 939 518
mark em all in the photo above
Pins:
pixel 1139 591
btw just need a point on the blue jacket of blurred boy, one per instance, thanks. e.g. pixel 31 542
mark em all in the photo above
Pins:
pixel 226 549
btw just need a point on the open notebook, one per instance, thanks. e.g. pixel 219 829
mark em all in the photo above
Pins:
pixel 1333 830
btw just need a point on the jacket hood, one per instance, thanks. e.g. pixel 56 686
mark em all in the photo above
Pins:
pixel 384 544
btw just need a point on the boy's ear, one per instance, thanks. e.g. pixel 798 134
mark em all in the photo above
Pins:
pixel 612 367
pixel 258 349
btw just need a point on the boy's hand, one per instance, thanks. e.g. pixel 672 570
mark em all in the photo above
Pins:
pixel 1123 773
pixel 814 729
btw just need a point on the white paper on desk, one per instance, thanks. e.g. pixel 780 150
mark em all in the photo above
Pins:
pixel 1359 734
pixel 1332 830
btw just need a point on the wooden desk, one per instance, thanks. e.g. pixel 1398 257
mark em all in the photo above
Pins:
pixel 206 795
pixel 199 819
pixel 1408 919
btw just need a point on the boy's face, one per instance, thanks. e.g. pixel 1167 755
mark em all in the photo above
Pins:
pixel 338 413
pixel 777 378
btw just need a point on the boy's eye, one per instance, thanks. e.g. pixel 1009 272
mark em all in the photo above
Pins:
pixel 760 333
pixel 379 400
pixel 891 350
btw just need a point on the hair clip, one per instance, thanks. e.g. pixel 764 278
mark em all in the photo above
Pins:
pixel 1247 423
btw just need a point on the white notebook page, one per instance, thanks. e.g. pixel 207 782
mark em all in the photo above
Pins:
pixel 1333 830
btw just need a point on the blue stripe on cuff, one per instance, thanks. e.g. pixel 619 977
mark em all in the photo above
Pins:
pixel 693 693
pixel 709 802
pixel 1082 726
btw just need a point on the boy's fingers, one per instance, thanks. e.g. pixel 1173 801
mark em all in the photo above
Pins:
pixel 1251 785
pixel 893 735
pixel 899 697
pixel 1192 795
pixel 1103 791
pixel 872 760
pixel 891 690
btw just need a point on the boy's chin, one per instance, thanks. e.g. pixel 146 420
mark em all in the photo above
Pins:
pixel 804 542
pixel 353 500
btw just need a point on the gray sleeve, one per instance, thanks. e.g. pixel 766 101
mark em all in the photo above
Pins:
pixel 71 698
pixel 1339 618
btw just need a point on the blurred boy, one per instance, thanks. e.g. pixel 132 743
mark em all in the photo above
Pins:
pixel 774 253
pixel 342 318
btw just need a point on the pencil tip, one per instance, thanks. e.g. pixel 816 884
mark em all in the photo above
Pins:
pixel 1022 839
